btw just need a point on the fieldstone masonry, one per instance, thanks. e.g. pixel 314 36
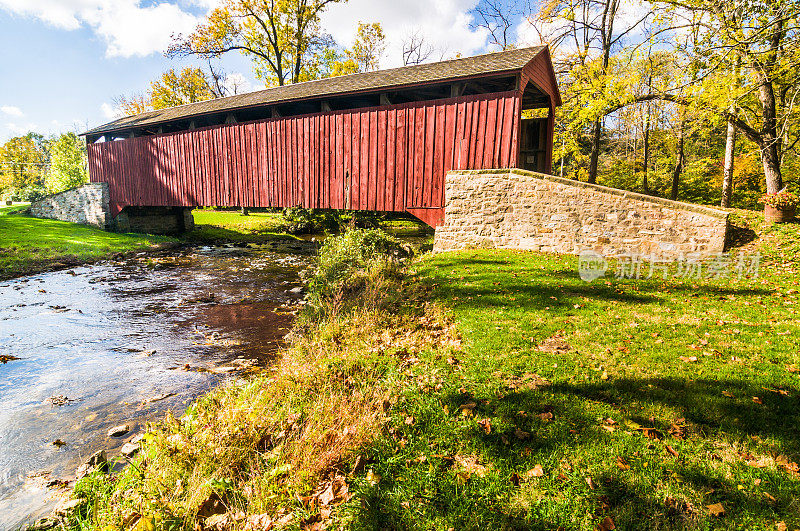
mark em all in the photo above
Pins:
pixel 87 205
pixel 518 209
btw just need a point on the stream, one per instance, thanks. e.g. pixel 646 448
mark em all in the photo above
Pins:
pixel 123 342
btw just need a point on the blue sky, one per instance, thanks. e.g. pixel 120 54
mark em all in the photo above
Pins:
pixel 66 60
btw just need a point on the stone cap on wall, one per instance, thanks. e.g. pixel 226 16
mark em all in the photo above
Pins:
pixel 668 203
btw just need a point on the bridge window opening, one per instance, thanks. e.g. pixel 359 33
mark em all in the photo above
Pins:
pixel 534 146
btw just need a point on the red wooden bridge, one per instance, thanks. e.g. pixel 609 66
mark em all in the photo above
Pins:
pixel 380 141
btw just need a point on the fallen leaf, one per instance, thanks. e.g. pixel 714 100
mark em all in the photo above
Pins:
pixel 590 483
pixel 606 525
pixel 728 394
pixel 373 478
pixel 546 416
pixel 716 509
pixel 622 464
pixel 409 421
pixel 521 435
pixel 486 426
pixel 688 359
pixel 781 526
pixel 757 400
pixel 535 472
pixel 59 443
pixel 670 450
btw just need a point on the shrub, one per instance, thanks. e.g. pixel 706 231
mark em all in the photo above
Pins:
pixel 357 267
pixel 29 193
pixel 782 200
pixel 299 220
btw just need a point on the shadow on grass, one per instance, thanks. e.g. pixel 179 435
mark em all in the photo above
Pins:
pixel 636 499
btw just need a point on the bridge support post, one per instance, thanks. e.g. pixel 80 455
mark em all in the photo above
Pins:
pixel 154 220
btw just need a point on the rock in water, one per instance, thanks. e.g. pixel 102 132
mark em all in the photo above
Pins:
pixel 44 523
pixel 119 431
pixel 98 460
pixel 67 507
pixel 129 449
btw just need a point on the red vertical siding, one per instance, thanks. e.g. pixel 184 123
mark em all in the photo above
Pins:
pixel 391 158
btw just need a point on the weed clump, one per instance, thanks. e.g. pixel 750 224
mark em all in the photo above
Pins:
pixel 356 269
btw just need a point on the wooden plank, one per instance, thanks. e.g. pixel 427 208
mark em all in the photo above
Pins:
pixel 391 150
pixel 430 154
pixel 381 179
pixel 491 133
pixel 399 147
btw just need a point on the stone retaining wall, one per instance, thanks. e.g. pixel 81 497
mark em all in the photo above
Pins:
pixel 87 205
pixel 517 209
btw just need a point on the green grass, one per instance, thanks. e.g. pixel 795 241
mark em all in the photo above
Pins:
pixel 212 226
pixel 507 393
pixel 30 245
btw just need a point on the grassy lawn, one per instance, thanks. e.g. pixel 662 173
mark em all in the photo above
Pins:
pixel 498 390
pixel 231 226
pixel 30 245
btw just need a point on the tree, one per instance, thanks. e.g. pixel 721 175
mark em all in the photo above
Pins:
pixel 416 49
pixel 368 48
pixel 68 166
pixel 498 18
pixel 591 31
pixel 761 100
pixel 279 35
pixel 172 88
pixel 190 86
pixel 23 161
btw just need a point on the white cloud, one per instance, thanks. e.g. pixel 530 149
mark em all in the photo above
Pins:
pixel 10 110
pixel 128 27
pixel 445 24
pixel 108 111
pixel 17 129
pixel 236 83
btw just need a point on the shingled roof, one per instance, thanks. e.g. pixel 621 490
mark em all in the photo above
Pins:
pixel 395 78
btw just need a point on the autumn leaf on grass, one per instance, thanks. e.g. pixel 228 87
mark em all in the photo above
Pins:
pixel 467 408
pixel 728 394
pixel 486 426
pixel 606 525
pixel 535 472
pixel 671 451
pixel 688 359
pixel 716 509
pixel 590 482
pixel 757 400
pixel 546 416
pixel 521 435
pixel 469 465
pixel 623 464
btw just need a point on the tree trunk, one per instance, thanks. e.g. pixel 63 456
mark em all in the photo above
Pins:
pixel 772 165
pixel 646 163
pixel 727 171
pixel 679 160
pixel 595 156
pixel 770 142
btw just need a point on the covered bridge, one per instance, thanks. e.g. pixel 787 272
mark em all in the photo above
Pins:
pixel 380 141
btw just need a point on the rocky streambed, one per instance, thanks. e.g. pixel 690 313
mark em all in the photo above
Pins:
pixel 91 354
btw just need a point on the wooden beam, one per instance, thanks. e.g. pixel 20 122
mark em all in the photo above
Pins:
pixel 457 89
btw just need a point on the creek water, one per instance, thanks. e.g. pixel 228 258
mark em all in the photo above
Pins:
pixel 122 343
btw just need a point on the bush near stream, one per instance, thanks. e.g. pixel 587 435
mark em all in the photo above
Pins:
pixel 500 391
